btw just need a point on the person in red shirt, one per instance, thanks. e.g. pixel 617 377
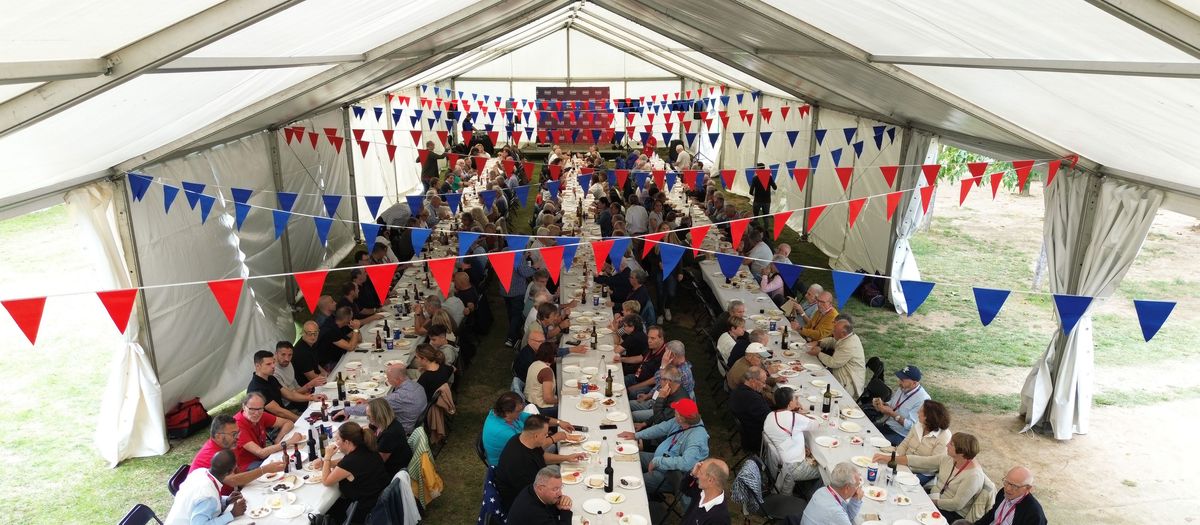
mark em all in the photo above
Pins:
pixel 223 435
pixel 649 146
pixel 253 424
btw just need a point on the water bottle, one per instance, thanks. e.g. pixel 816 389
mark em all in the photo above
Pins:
pixel 583 385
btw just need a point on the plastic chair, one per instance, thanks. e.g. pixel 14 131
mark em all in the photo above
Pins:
pixel 140 514
pixel 177 479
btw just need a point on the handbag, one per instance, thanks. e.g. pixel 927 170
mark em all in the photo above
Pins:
pixel 186 419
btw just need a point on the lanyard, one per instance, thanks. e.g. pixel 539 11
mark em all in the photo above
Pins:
pixel 785 431
pixel 675 436
pixel 1006 513
pixel 216 484
pixel 836 497
pixel 906 398
pixel 955 473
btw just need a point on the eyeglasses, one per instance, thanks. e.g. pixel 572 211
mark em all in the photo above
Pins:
pixel 232 434
pixel 253 409
pixel 306 332
pixel 1010 485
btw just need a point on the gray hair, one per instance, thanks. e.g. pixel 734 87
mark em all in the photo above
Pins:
pixel 734 304
pixel 671 374
pixel 843 475
pixel 641 276
pixel 760 336
pixel 816 288
pixel 849 325
pixel 753 373
pixel 676 347
pixel 433 301
pixel 546 474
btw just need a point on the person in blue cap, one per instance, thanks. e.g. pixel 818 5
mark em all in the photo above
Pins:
pixel 900 412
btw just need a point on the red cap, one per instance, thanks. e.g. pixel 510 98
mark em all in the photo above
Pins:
pixel 685 407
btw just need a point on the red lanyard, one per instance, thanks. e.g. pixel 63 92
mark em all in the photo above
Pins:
pixel 785 431
pixel 1004 514
pixel 216 484
pixel 954 474
pixel 836 498
pixel 905 398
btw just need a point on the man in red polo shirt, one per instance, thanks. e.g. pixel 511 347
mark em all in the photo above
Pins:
pixel 253 424
pixel 224 436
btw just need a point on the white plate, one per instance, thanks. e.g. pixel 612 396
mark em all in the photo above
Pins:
pixel 630 482
pixel 571 383
pixel 571 369
pixel 788 373
pixel 582 407
pixel 595 481
pixel 290 511
pixel 367 385
pixel 875 493
pixel 850 426
pixel 616 498
pixel 853 413
pixel 879 442
pixel 592 446
pixel 576 437
pixel 617 387
pixel 861 461
pixel 633 519
pixel 604 348
pixel 814 399
pixel 277 501
pixel 616 417
pixel 813 367
pixel 627 448
pixel 366 346
pixel 928 519
pixel 795 345
pixel 311 479
pixel 292 481
pixel 603 331
pixel 271 477
pixel 907 478
pixel 258 513
pixel 901 499
pixel 819 383
pixel 589 370
pixel 353 365
pixel 572 477
pixel 827 441
pixel 597 506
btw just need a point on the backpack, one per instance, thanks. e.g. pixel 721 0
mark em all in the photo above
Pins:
pixel 187 418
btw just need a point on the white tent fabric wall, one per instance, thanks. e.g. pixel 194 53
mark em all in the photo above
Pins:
pixel 733 156
pixel 1058 390
pixel 922 149
pixel 703 150
pixel 130 422
pixel 375 174
pixel 195 347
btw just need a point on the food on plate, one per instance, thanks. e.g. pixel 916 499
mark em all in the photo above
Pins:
pixel 587 403
pixel 901 500
pixel 595 481
pixel 855 440
pixel 575 437
pixel 258 513
pixel 876 493
pixel 609 402
pixel 572 476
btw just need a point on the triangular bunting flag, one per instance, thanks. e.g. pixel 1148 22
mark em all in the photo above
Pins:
pixel 1022 167
pixel 193 191
pixel 650 240
pixel 801 176
pixel 893 199
pixel 780 220
pixel 820 134
pixel 844 174
pixel 791 136
pixel 240 211
pixel 729 264
pixel 926 197
pixel 849 133
pixel 696 235
pixel 915 293
pixel 228 293
pixel 1051 170
pixel 323 224
pixel 669 254
pixel 373 203
pixel 736 229
pixel 737 138
pixel 370 231
pixel 415 204
pixel 138 184
pixel 789 273
pixel 119 304
pixel 443 272
pixel 570 246
pixel 836 155
pixel 453 200
pixel 488 197
pixel 1070 309
pixel 465 240
pixel 989 301
pixel 286 200
pixel 281 220
pixel 844 285
pixel 995 182
pixel 522 194
pixel 553 187
pixel 600 251
pixel 931 173
pixel 814 213
pixel 27 313
pixel 727 178
pixel 169 193
pixel 552 255
pixel 858 149
pixel 1152 315
pixel 764 136
pixel 310 284
pixel 856 207
pixel 419 237
pixel 813 161
pixel 331 204
pixel 620 247
pixel 889 174
pixel 381 276
pixel 502 263
pixel 965 188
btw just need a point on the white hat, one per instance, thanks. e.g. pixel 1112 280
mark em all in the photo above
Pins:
pixel 756 348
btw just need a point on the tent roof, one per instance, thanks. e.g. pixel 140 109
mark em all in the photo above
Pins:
pixel 87 87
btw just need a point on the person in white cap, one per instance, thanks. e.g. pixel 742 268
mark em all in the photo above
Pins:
pixel 753 358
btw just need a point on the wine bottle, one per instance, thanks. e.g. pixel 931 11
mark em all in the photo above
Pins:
pixel 299 459
pixel 783 340
pixel 378 340
pixel 387 329
pixel 312 445
pixel 608 476
pixel 321 437
pixel 891 468
pixel 827 400
pixel 287 465
pixel 341 388
pixel 608 385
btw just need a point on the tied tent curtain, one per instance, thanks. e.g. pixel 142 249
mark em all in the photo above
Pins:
pixel 1088 255
pixel 130 422
pixel 921 150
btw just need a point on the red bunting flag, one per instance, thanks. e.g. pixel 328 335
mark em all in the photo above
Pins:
pixel 330 132
pixel 966 188
pixel 651 240
pixel 804 110
pixel 552 255
pixel 814 213
pixel 381 276
pixel 893 199
pixel 509 165
pixel 516 137
pixel 422 154
pixel 227 292
pixel 783 111
pixel 362 147
pixel 27 313
pixel 388 135
pixel 926 196
pixel 727 178
pixel 391 151
pixel 119 304
pixel 856 207
pixel 494 136
pixel 600 249
pixel 766 114
pixel 689 178
pixel 416 137
pixel 555 171
pixel 844 174
pixel 977 170
pixel 801 176
pixel 480 163
pixel 781 219
pixel 451 159
pixel 996 178
pixel 502 264
pixel 312 139
pixel 622 176
pixel 736 229
pixel 443 136
pixel 358 134
pixel 528 169
pixel 697 235
pixel 288 133
pixel 311 284
pixel 337 143
pixel 764 176
pixel 1022 167
pixel 443 272
pixel 660 178
pixel 724 118
pixel 889 174
pixel 1051 170
pixel 931 173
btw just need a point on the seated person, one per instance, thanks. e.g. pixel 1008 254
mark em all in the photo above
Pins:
pixel 760 336
pixel 543 502
pixel 523 456
pixel 820 324
pixel 368 298
pixel 434 370
pixel 709 505
pixel 337 337
pixel 846 362
pixel 642 380
pixel 736 309
pixel 925 445
pixel 784 430
pixel 837 503
pixel 900 412
pixel 223 435
pixel 505 420
pixel 287 370
pixel 750 408
pixel 349 299
pixel 325 308
pixel 360 475
pixel 525 357
pixel 670 390
pixel 730 339
pixel 772 282
pixel 438 339
pixel 304 355
pixel 540 389
pixel 406 399
pixel 688 444
pixel 199 500
pixel 279 398
pixel 1016 500
pixel 253 425
pixel 809 302
pixel 391 438
pixel 961 489
pixel 755 353
pixel 634 344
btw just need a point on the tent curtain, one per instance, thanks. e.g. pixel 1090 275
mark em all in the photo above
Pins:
pixel 921 150
pixel 1102 246
pixel 131 420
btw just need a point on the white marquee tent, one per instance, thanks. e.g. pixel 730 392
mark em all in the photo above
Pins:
pixel 198 91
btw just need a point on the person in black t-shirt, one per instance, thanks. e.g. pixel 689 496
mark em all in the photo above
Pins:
pixel 338 336
pixel 304 354
pixel 349 299
pixel 543 502
pixel 390 437
pixel 368 299
pixel 642 380
pixel 633 344
pixel 278 397
pixel 360 475
pixel 521 459
pixel 434 370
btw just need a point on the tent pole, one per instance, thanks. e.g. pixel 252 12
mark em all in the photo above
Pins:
pixel 907 172
pixel 133 262
pixel 350 170
pixel 285 244
pixel 390 124
pixel 812 150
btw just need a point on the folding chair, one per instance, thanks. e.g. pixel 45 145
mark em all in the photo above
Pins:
pixel 140 514
pixel 479 450
pixel 177 479
pixel 875 365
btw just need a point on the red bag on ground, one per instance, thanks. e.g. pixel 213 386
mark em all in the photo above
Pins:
pixel 187 418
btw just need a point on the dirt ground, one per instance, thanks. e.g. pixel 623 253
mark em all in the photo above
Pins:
pixel 1130 468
